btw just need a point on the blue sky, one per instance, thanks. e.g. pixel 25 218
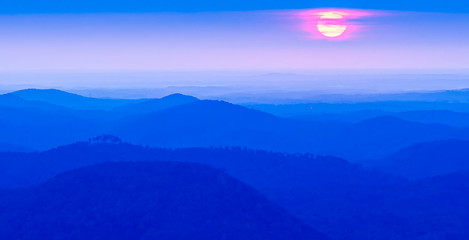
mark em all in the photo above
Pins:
pixel 136 6
pixel 215 41
pixel 43 40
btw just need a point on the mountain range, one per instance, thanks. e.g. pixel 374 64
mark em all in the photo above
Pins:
pixel 359 171
pixel 341 199
pixel 145 200
pixel 39 122
pixel 427 159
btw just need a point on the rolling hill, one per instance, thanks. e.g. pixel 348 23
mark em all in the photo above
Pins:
pixel 342 200
pixel 70 100
pixel 145 200
pixel 382 136
pixel 445 117
pixel 427 159
pixel 153 105
pixel 13 101
pixel 306 109
pixel 184 121
pixel 216 123
pixel 38 129
pixel 78 102
pixel 457 119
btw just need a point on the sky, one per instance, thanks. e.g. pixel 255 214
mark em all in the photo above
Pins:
pixel 151 6
pixel 66 39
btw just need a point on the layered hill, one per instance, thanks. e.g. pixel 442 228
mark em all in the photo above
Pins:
pixel 33 128
pixel 427 159
pixel 320 107
pixel 69 100
pixel 216 123
pixel 343 200
pixel 10 100
pixel 78 102
pixel 184 121
pixel 381 136
pixel 145 200
pixel 153 105
pixel 445 117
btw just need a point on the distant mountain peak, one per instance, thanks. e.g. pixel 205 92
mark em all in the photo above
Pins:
pixel 217 107
pixel 156 104
pixel 180 96
pixel 45 92
pixel 69 100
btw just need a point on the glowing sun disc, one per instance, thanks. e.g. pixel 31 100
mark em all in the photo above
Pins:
pixel 331 24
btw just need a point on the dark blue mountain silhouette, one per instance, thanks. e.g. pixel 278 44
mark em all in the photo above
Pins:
pixel 183 121
pixel 457 119
pixel 36 125
pixel 445 117
pixel 381 136
pixel 75 101
pixel 5 147
pixel 13 101
pixel 420 97
pixel 307 109
pixel 154 105
pixel 416 189
pixel 214 123
pixel 427 159
pixel 145 200
pixel 69 100
pixel 33 128
pixel 348 117
pixel 343 200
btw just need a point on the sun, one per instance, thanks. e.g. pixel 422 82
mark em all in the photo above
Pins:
pixel 331 24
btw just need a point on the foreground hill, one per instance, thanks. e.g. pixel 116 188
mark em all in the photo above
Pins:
pixel 145 200
pixel 427 159
pixel 343 200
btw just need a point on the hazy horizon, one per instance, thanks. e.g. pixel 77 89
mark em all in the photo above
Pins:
pixel 237 84
pixel 232 52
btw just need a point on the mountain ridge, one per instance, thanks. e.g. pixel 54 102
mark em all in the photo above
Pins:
pixel 340 199
pixel 146 200
pixel 427 159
